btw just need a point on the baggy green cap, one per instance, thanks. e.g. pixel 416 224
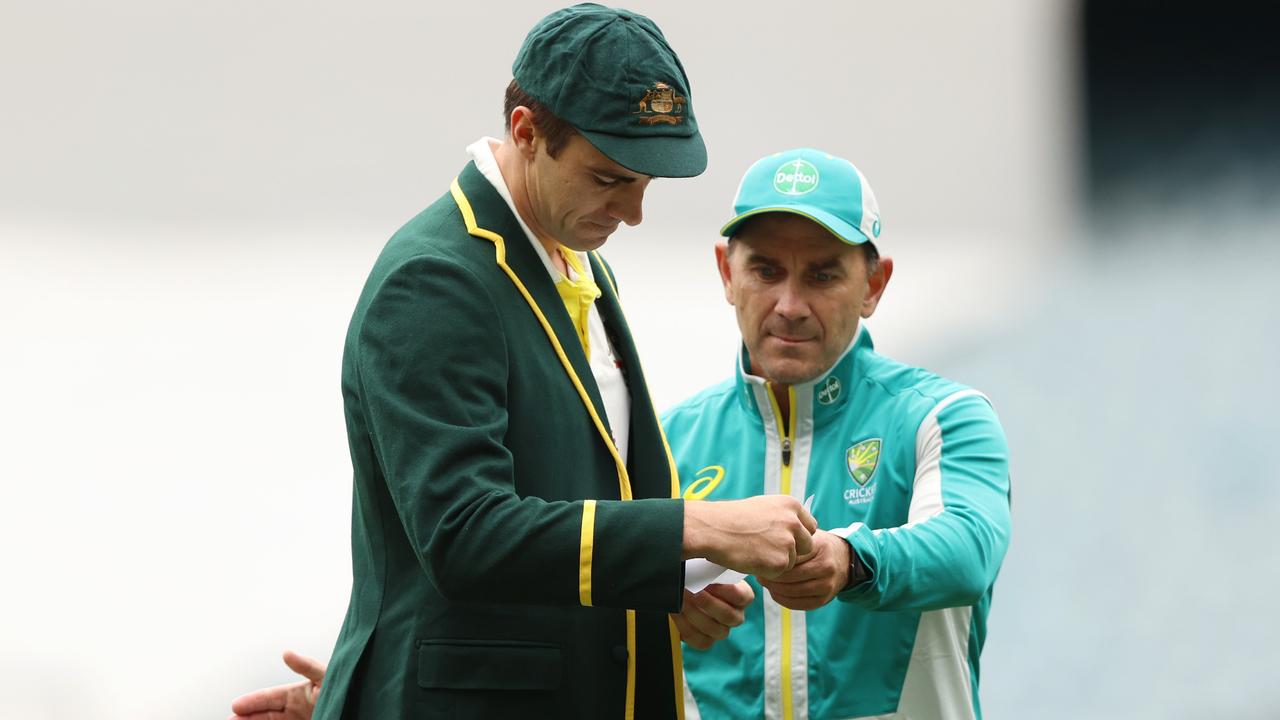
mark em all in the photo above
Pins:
pixel 820 186
pixel 610 74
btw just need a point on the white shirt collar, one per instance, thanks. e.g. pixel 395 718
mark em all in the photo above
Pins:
pixel 481 151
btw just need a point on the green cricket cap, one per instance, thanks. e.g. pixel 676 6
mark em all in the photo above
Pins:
pixel 610 74
pixel 820 186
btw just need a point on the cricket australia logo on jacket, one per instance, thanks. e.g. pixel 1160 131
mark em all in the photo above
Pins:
pixel 912 470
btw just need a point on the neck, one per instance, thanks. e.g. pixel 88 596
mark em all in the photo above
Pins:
pixel 512 166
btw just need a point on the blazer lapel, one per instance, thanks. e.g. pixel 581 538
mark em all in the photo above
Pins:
pixel 646 432
pixel 492 213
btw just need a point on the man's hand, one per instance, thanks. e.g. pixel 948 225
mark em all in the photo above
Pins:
pixel 816 578
pixel 295 701
pixel 707 616
pixel 759 536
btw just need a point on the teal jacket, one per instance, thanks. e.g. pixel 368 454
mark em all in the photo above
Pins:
pixel 913 470
pixel 506 561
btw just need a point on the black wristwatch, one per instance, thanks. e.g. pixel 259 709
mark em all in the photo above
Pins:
pixel 857 571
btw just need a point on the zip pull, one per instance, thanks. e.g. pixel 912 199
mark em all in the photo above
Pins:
pixel 786 451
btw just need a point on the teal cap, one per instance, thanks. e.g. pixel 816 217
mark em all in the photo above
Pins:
pixel 820 186
pixel 610 74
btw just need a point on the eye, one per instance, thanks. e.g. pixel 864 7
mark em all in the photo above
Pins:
pixel 603 181
pixel 767 272
pixel 823 277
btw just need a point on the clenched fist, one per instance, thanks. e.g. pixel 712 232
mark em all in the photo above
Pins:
pixel 759 536
pixel 816 577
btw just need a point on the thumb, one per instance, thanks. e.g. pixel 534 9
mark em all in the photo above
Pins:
pixel 809 521
pixel 804 546
pixel 309 668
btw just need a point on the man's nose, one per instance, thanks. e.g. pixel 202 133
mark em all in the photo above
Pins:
pixel 627 205
pixel 791 303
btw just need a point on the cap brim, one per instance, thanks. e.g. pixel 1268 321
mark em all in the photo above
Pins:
pixel 833 224
pixel 666 156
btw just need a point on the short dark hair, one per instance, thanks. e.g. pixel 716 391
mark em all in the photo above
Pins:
pixel 555 131
pixel 869 251
pixel 872 256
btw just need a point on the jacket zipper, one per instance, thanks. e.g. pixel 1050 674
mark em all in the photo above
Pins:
pixel 785 431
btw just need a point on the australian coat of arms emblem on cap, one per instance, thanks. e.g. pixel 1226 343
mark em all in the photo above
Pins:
pixel 661 104
pixel 863 459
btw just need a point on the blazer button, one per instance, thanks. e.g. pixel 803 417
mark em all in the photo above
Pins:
pixel 620 654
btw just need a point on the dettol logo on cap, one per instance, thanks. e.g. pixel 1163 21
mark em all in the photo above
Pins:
pixel 796 177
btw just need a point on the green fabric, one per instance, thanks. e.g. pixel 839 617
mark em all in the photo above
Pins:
pixel 472 455
pixel 611 75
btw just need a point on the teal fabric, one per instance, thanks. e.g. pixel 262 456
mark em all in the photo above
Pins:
pixel 820 186
pixel 858 648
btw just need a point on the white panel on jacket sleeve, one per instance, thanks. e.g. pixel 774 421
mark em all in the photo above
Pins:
pixel 926 495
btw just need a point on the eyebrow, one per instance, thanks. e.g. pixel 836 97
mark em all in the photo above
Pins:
pixel 829 264
pixel 832 264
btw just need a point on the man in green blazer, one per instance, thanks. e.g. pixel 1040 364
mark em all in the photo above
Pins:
pixel 517 533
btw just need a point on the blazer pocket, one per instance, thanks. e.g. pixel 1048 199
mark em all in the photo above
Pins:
pixel 488 665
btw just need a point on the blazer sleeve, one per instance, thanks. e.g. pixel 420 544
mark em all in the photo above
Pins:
pixel 950 550
pixel 431 360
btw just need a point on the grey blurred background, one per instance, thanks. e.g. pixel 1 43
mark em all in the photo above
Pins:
pixel 1083 200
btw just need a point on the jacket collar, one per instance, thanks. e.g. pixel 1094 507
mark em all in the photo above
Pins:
pixel 829 392
pixel 493 214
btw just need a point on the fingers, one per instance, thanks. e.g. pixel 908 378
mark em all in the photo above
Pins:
pixel 804 546
pixel 809 521
pixel 707 616
pixel 270 699
pixel 738 594
pixel 817 579
pixel 816 567
pixel 815 587
pixel 802 535
pixel 830 556
pixel 762 535
pixel 712 615
pixel 691 635
pixel 800 540
pixel 802 572
pixel 798 602
pixel 802 595
pixel 695 627
pixel 309 668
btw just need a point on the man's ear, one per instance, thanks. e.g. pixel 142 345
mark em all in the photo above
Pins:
pixel 726 273
pixel 876 285
pixel 524 134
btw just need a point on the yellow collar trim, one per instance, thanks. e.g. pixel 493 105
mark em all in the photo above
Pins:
pixel 469 218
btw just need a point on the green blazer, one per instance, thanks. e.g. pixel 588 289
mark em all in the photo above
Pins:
pixel 506 562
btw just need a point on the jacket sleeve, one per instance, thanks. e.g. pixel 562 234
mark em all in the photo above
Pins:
pixel 949 551
pixel 433 367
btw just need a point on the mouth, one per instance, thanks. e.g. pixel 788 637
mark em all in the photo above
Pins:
pixel 791 340
pixel 601 228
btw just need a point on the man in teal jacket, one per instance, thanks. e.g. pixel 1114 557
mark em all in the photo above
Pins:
pixel 906 472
